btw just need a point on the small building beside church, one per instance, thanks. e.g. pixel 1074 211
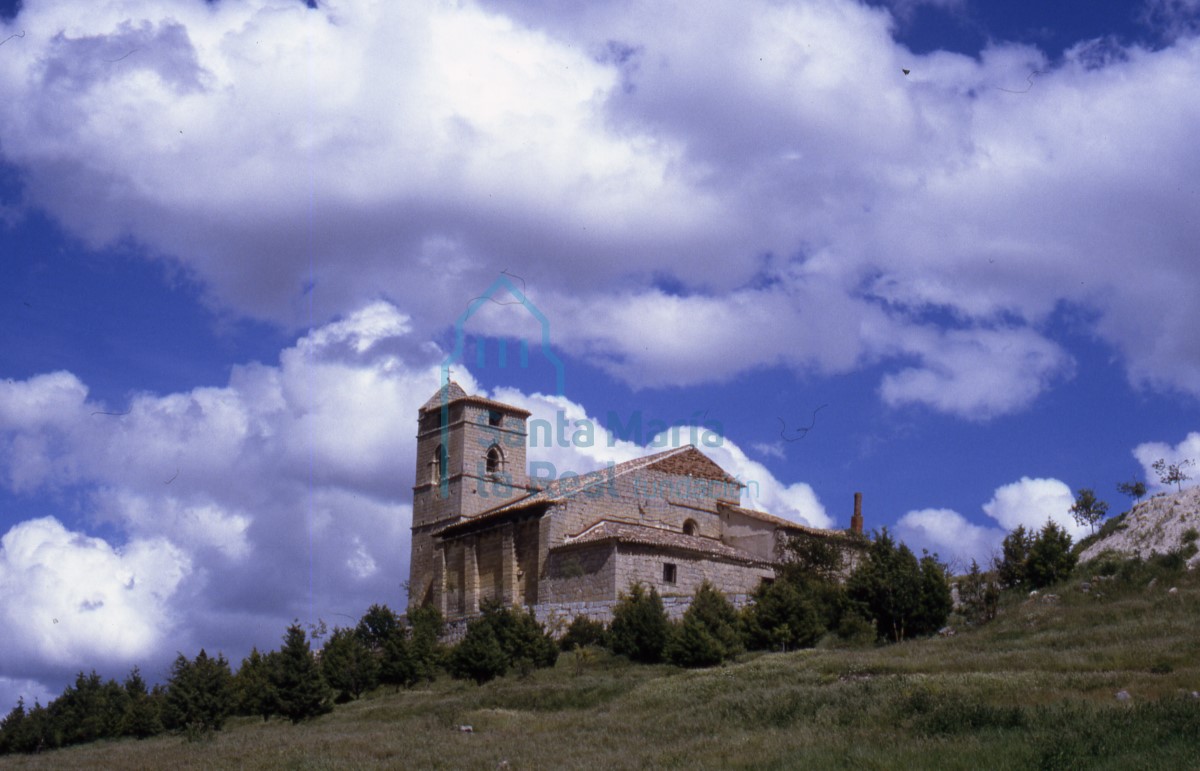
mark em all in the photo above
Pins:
pixel 481 530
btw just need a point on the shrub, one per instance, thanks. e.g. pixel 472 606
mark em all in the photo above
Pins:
pixel 377 626
pixel 584 632
pixel 424 642
pixel 1014 556
pixel 522 642
pixel 807 558
pixel 905 596
pixel 1034 562
pixel 856 629
pixel 708 634
pixel 478 656
pixel 640 628
pixel 398 664
pixel 349 665
pixel 1050 559
pixel 979 595
pixel 781 615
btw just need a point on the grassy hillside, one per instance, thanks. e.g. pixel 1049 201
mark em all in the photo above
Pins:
pixel 1035 688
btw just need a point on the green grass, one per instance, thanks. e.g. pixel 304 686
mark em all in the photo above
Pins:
pixel 1033 689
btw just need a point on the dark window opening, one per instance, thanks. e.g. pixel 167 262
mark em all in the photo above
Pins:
pixel 690 527
pixel 495 460
pixel 495 418
pixel 668 573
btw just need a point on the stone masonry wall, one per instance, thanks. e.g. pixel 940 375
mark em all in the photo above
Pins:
pixel 644 565
pixel 584 574
pixel 557 616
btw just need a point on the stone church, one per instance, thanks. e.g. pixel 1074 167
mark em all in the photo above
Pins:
pixel 481 531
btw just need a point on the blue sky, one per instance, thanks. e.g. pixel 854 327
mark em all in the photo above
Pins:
pixel 236 238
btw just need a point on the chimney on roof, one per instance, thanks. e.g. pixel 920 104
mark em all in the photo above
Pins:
pixel 856 520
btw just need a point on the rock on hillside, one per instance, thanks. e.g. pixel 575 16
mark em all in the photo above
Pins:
pixel 1154 526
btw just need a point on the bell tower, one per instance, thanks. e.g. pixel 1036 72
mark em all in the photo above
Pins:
pixel 470 458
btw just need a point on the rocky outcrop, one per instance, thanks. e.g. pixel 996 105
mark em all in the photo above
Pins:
pixel 1165 523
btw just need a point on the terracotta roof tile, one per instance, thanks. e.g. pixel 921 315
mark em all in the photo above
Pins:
pixel 557 490
pixel 624 532
pixel 788 524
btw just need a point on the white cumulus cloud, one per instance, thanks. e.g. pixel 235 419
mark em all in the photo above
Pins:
pixel 951 536
pixel 1185 454
pixel 1031 502
pixel 66 598
pixel 930 225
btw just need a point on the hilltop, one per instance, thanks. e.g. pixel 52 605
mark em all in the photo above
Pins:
pixel 1069 679
pixel 1165 523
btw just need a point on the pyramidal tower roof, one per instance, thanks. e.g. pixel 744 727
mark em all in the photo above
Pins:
pixel 450 392
pixel 453 392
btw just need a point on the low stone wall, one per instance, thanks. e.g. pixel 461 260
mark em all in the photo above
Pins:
pixel 557 616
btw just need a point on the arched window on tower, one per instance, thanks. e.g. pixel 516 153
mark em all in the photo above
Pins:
pixel 495 460
pixel 690 527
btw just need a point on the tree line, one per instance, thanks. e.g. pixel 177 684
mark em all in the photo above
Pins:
pixel 293 682
pixel 890 595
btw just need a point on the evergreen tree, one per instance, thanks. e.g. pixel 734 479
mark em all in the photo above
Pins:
pixel 1034 562
pixel 521 639
pixel 979 595
pixel 301 691
pixel 424 644
pixel 479 656
pixel 584 632
pixel 1050 559
pixel 11 726
pixel 348 664
pixel 781 616
pixel 708 634
pixel 27 730
pixel 1014 556
pixel 809 558
pixel 87 711
pixel 640 628
pixel 141 718
pixel 254 691
pixel 41 733
pixel 936 602
pixel 398 665
pixel 905 596
pixel 377 626
pixel 199 694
